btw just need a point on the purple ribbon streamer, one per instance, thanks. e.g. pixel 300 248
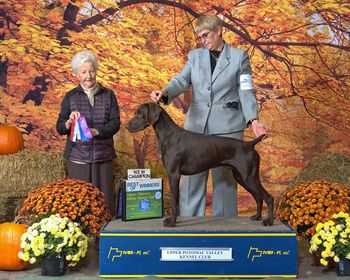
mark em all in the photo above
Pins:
pixel 84 128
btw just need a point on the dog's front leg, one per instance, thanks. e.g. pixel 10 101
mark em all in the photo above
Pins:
pixel 174 181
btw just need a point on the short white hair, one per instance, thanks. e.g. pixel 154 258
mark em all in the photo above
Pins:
pixel 81 57
pixel 209 21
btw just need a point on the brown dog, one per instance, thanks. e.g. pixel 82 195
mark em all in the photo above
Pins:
pixel 186 153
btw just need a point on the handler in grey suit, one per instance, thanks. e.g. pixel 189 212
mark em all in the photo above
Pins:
pixel 223 104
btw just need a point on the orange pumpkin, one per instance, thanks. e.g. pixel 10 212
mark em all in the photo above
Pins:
pixel 10 241
pixel 11 140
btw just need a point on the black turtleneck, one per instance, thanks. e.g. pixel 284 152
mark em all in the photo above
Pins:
pixel 214 56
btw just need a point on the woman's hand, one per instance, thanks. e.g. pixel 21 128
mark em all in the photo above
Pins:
pixel 94 132
pixel 259 128
pixel 72 117
pixel 157 95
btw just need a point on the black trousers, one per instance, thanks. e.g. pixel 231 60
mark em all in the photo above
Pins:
pixel 100 174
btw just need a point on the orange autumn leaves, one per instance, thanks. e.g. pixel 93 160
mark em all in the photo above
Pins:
pixel 305 205
pixel 78 200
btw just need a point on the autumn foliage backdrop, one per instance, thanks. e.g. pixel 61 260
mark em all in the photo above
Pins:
pixel 299 50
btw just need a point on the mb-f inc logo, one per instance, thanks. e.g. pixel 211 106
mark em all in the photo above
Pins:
pixel 257 253
pixel 115 253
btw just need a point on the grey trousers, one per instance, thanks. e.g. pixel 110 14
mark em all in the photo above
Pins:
pixel 100 174
pixel 193 190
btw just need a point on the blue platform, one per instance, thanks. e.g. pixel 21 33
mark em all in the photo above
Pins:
pixel 199 247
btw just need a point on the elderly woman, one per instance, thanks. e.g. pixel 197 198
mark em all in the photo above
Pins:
pixel 223 103
pixel 90 160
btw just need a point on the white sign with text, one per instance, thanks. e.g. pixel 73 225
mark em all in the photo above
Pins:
pixel 139 174
pixel 196 254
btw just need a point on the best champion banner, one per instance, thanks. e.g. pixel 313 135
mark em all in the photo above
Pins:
pixel 80 130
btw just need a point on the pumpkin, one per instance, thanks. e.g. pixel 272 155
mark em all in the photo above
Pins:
pixel 11 140
pixel 10 241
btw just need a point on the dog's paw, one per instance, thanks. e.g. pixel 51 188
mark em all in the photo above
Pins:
pixel 267 222
pixel 169 222
pixel 256 217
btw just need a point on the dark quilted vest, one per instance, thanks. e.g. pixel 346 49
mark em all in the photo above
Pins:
pixel 98 149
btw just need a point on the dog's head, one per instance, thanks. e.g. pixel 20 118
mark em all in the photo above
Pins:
pixel 146 114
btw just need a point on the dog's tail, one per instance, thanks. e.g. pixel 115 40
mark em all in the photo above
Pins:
pixel 257 140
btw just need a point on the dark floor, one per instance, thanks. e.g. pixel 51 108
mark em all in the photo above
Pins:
pixel 89 268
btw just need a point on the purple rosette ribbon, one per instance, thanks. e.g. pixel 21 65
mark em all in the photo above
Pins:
pixel 84 129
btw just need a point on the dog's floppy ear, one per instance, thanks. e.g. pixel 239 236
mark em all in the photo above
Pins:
pixel 153 113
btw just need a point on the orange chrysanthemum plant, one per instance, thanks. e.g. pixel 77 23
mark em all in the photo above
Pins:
pixel 78 200
pixel 304 206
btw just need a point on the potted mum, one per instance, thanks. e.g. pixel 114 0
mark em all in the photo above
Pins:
pixel 53 240
pixel 332 241
pixel 77 200
pixel 305 205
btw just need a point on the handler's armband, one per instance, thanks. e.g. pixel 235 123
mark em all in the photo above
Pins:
pixel 245 81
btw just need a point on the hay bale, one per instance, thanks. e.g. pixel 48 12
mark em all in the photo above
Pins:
pixel 26 170
pixel 120 171
pixel 332 167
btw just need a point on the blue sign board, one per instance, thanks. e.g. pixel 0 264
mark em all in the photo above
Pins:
pixel 198 253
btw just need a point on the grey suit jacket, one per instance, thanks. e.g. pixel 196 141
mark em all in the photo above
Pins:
pixel 212 94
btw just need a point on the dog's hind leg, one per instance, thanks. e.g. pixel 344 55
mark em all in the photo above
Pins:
pixel 253 185
pixel 260 194
pixel 259 202
pixel 259 205
pixel 270 204
pixel 174 181
pixel 252 190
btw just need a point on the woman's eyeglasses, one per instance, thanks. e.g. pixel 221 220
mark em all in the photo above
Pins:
pixel 204 36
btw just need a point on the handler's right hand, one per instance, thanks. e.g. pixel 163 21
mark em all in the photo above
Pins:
pixel 156 95
pixel 72 117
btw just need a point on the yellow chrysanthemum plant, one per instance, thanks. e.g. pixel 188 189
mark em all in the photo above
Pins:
pixel 332 239
pixel 53 236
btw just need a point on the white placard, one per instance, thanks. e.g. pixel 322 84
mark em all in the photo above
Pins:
pixel 246 82
pixel 196 254
pixel 139 174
